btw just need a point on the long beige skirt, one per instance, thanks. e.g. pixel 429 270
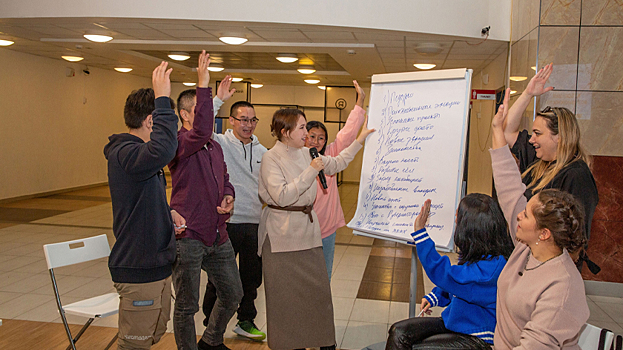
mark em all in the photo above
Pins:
pixel 299 309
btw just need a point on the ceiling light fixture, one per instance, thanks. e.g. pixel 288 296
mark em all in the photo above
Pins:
pixel 72 58
pixel 257 86
pixel 287 58
pixel 322 87
pixel 518 78
pixel 428 49
pixel 237 80
pixel 188 83
pixel 123 70
pixel 233 40
pixel 179 56
pixel 424 65
pixel 533 68
pixel 98 38
pixel 513 92
pixel 306 69
pixel 312 81
pixel 215 68
pixel 6 42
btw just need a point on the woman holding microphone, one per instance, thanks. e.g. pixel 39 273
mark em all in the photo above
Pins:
pixel 299 310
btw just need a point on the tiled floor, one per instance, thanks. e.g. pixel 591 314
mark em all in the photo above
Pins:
pixel 369 284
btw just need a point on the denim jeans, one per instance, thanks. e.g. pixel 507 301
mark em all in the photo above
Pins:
pixel 243 238
pixel 328 249
pixel 220 264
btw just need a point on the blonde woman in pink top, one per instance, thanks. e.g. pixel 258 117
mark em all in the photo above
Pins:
pixel 327 205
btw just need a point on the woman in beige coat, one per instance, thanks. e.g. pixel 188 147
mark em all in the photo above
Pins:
pixel 299 311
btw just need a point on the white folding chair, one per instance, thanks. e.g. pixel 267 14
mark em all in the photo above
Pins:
pixel 595 338
pixel 75 252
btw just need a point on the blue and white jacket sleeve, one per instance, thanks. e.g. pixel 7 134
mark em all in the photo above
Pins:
pixel 457 280
pixel 438 297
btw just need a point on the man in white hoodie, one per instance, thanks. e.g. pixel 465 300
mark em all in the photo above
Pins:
pixel 243 155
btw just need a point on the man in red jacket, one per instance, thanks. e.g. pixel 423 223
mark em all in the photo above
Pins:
pixel 203 195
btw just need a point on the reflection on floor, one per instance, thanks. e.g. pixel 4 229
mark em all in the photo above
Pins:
pixel 370 283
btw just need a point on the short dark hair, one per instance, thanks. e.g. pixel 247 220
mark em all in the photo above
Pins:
pixel 481 230
pixel 285 120
pixel 237 105
pixel 316 124
pixel 139 104
pixel 563 216
pixel 184 101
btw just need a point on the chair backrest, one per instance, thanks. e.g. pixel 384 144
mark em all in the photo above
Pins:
pixel 595 338
pixel 76 251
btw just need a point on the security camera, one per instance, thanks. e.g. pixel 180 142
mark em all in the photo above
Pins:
pixel 485 31
pixel 86 71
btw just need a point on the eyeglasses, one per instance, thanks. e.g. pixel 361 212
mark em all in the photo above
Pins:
pixel 247 121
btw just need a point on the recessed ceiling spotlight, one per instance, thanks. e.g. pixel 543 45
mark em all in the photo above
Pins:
pixel 215 68
pixel 188 83
pixel 306 69
pixel 72 58
pixel 6 42
pixel 518 78
pixel 533 68
pixel 513 92
pixel 429 49
pixel 98 38
pixel 257 86
pixel 179 56
pixel 424 65
pixel 287 58
pixel 236 80
pixel 312 81
pixel 123 70
pixel 322 87
pixel 233 40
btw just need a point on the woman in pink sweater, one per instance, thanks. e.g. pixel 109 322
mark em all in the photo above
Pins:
pixel 541 303
pixel 327 205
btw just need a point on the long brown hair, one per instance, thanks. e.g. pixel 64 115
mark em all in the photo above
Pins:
pixel 560 121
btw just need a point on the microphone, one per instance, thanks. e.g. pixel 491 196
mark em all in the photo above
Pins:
pixel 313 152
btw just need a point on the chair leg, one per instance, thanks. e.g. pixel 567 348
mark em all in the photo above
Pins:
pixel 112 341
pixel 84 328
pixel 72 344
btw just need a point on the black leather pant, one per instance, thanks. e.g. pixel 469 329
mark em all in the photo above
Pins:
pixel 429 333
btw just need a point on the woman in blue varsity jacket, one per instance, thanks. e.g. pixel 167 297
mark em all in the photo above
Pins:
pixel 467 290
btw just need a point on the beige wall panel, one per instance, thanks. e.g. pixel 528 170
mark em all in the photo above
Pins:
pixel 525 17
pixel 600 115
pixel 601 59
pixel 560 46
pixel 602 12
pixel 560 12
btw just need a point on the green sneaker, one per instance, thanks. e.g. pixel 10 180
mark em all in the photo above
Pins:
pixel 248 329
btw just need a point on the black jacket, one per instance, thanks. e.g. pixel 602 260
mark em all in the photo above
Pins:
pixel 145 247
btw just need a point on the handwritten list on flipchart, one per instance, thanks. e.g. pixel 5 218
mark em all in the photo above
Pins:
pixel 415 154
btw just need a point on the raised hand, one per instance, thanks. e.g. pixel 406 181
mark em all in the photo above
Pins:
pixel 364 132
pixel 536 86
pixel 361 96
pixel 498 123
pixel 223 92
pixel 161 81
pixel 226 205
pixel 420 221
pixel 203 74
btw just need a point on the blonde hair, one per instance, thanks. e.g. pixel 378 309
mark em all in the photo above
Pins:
pixel 560 121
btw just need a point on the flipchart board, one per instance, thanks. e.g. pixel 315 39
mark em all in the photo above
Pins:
pixel 416 153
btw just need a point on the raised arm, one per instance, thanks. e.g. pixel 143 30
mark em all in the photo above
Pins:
pixel 355 120
pixel 223 93
pixel 203 125
pixel 144 160
pixel 510 189
pixel 536 87
pixel 336 164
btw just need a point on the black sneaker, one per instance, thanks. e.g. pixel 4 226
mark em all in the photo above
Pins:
pixel 201 345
